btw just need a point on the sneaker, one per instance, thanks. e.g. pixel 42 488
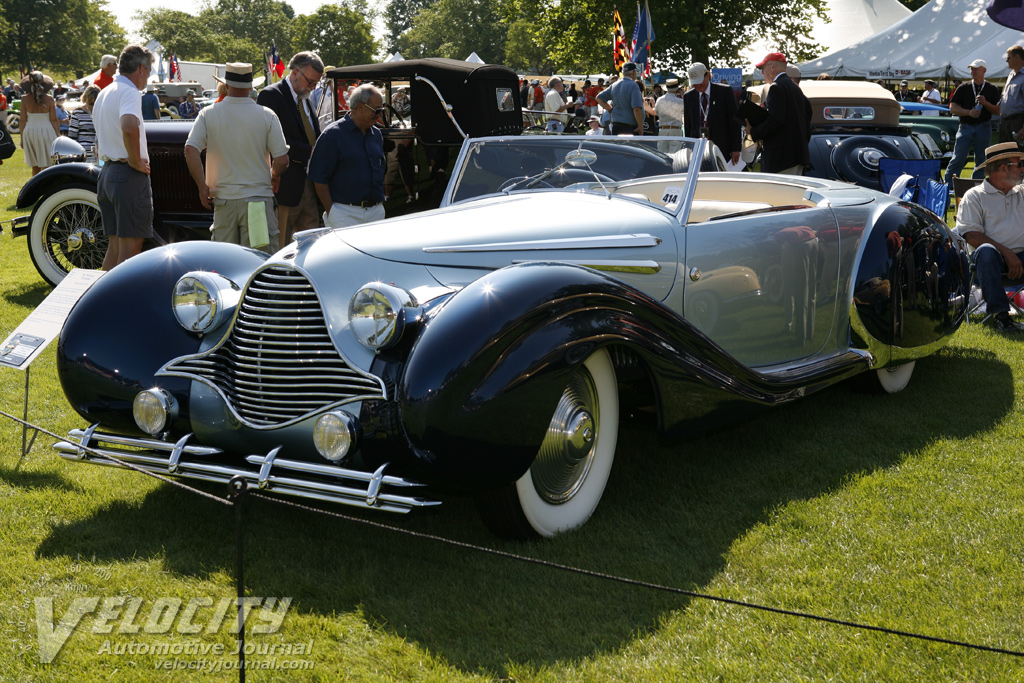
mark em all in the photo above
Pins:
pixel 1003 323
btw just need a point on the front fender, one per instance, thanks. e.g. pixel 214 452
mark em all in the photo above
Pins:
pixel 123 330
pixel 482 381
pixel 53 178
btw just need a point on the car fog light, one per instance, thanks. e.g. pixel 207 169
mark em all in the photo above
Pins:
pixel 153 410
pixel 202 300
pixel 334 435
pixel 377 314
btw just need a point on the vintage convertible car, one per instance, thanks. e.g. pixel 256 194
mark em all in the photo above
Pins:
pixel 491 346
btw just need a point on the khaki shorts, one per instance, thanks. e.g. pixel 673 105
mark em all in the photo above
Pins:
pixel 231 221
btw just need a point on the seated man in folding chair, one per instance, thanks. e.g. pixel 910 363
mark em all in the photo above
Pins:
pixel 991 219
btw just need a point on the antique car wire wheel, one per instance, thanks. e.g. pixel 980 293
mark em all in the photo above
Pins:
pixel 66 232
pixel 567 479
pixel 895 379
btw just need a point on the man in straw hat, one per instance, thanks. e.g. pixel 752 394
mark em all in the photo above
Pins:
pixel 246 154
pixel 991 219
pixel 669 109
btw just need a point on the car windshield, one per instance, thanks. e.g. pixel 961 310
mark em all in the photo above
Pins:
pixel 530 163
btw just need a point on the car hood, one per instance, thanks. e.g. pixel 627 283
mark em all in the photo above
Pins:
pixel 633 241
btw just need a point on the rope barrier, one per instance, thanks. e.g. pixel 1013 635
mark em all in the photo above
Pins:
pixel 639 583
pixel 238 490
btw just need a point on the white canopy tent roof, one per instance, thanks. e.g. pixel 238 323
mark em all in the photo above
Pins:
pixel 475 58
pixel 855 20
pixel 936 41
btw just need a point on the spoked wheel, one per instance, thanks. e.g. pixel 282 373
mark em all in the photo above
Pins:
pixel 567 478
pixel 66 232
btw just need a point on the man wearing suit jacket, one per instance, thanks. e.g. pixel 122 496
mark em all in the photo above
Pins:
pixel 785 134
pixel 289 98
pixel 709 110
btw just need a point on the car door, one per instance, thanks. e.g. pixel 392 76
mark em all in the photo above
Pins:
pixel 763 286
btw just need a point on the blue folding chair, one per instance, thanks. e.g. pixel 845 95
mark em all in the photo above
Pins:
pixel 890 169
pixel 926 187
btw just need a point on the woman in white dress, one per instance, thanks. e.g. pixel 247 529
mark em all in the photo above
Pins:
pixel 38 120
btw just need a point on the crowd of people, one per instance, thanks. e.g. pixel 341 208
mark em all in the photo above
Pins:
pixel 272 160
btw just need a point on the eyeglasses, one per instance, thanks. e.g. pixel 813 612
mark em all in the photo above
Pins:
pixel 309 81
pixel 1010 164
pixel 376 112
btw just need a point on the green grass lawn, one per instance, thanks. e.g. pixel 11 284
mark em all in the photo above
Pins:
pixel 901 511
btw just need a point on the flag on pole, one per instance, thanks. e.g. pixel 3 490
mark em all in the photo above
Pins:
pixel 643 36
pixel 618 42
pixel 175 70
pixel 276 65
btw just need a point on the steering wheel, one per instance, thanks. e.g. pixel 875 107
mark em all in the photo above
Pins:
pixel 394 114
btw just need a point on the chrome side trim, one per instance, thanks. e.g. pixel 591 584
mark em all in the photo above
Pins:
pixel 329 483
pixel 606 242
pixel 623 266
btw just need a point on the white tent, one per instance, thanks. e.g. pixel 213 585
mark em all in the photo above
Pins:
pixel 475 58
pixel 397 57
pixel 938 40
pixel 855 20
pixel 851 21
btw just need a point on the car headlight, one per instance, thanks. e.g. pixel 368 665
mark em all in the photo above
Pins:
pixel 153 410
pixel 377 314
pixel 201 300
pixel 945 136
pixel 334 434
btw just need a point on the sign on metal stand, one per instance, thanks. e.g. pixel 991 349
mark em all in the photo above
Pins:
pixel 41 327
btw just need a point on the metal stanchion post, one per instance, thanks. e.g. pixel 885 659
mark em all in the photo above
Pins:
pixel 237 488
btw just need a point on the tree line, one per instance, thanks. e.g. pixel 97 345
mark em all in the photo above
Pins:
pixel 542 36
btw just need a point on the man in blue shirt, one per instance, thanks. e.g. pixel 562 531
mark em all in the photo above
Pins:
pixel 347 164
pixel 150 105
pixel 627 104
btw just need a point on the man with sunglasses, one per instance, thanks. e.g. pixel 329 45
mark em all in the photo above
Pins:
pixel 347 166
pixel 289 99
pixel 991 219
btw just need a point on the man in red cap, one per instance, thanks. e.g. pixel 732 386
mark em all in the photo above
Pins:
pixel 785 134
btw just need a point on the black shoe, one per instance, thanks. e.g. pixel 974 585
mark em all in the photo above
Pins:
pixel 1003 323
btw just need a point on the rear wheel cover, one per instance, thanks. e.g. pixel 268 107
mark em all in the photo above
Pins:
pixel 855 159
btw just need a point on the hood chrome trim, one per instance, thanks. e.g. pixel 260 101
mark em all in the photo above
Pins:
pixel 605 242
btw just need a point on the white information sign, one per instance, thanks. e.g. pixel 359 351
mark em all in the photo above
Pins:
pixel 43 325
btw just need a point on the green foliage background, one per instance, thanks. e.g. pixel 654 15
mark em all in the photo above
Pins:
pixel 542 36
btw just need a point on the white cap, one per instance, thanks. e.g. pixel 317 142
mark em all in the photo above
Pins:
pixel 978 63
pixel 696 73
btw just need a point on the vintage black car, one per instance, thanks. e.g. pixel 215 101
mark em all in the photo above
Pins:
pixel 853 125
pixel 450 101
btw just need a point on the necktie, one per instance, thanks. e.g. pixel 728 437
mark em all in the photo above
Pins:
pixel 704 110
pixel 306 124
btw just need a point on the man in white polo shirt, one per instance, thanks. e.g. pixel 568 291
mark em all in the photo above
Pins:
pixel 123 191
pixel 246 154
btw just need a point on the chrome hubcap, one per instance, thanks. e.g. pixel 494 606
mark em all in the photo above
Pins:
pixel 567 452
pixel 79 238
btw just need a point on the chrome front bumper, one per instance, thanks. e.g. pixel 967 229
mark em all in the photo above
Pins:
pixel 372 490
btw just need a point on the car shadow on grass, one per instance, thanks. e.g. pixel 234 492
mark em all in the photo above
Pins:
pixel 669 516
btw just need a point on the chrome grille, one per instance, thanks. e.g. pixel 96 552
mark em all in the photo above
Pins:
pixel 278 365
